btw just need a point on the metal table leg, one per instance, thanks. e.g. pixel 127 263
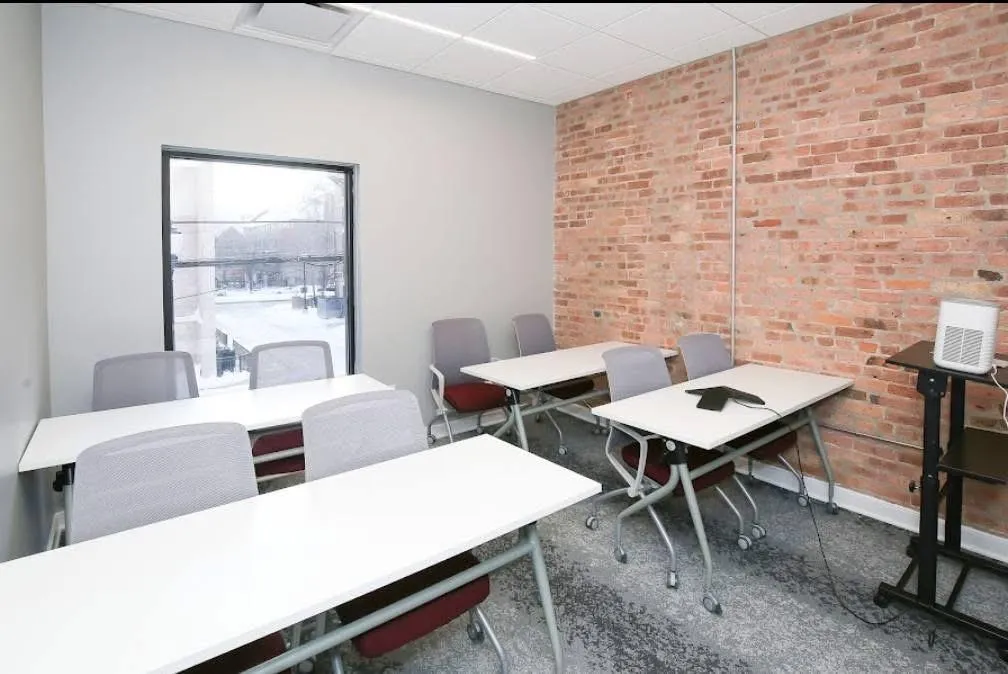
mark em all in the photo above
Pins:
pixel 545 597
pixel 824 458
pixel 710 602
pixel 514 398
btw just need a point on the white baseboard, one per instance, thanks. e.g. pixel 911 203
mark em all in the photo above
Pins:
pixel 974 540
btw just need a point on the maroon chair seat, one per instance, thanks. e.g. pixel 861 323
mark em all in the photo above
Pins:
pixel 475 396
pixel 658 469
pixel 771 450
pixel 243 657
pixel 276 442
pixel 570 389
pixel 421 620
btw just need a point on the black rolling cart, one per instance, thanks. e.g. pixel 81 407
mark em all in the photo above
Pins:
pixel 971 453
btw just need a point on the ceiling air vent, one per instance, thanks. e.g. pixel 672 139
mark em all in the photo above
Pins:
pixel 317 22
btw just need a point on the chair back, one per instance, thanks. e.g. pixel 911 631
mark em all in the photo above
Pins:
pixel 143 378
pixel 457 343
pixel 534 334
pixel 704 353
pixel 156 475
pixel 633 370
pixel 289 362
pixel 360 430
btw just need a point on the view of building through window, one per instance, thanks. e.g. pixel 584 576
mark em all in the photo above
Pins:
pixel 257 255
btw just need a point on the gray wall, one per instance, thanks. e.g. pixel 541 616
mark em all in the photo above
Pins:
pixel 23 377
pixel 454 200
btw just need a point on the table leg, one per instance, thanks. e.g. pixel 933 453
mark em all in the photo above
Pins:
pixel 545 596
pixel 67 501
pixel 824 459
pixel 954 488
pixel 710 602
pixel 514 398
pixel 932 386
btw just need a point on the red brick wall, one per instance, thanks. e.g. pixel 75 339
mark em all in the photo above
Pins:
pixel 872 180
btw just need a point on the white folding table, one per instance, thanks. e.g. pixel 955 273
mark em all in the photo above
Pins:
pixel 166 596
pixel 538 371
pixel 57 441
pixel 672 413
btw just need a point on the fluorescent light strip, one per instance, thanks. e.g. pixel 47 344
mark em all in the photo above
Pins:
pixel 420 25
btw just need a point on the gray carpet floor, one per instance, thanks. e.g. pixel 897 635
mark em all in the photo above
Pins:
pixel 780 613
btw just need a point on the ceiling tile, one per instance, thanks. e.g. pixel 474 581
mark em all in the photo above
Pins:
pixel 457 16
pixel 715 44
pixel 592 14
pixel 595 54
pixel 634 71
pixel 802 15
pixel 211 14
pixel 468 64
pixel 667 27
pixel 754 10
pixel 540 82
pixel 530 30
pixel 389 43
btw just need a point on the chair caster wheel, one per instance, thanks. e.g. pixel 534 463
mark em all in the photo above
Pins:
pixel 881 600
pixel 803 500
pixel 672 581
pixel 480 430
pixel 834 508
pixel 758 532
pixel 592 522
pixel 561 450
pixel 431 439
pixel 620 555
pixel 712 604
pixel 744 542
pixel 475 632
pixel 538 418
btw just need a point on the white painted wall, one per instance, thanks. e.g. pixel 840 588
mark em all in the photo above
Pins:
pixel 23 378
pixel 454 198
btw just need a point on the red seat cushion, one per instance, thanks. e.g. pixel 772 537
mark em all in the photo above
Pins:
pixel 422 620
pixel 276 442
pixel 475 396
pixel 771 450
pixel 571 389
pixel 243 657
pixel 657 467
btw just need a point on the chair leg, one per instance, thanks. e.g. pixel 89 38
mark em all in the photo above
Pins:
pixel 337 663
pixel 479 627
pixel 444 415
pixel 562 449
pixel 744 541
pixel 592 521
pixel 755 528
pixel 803 499
pixel 479 424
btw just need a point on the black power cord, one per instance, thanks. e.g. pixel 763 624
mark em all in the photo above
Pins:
pixel 822 550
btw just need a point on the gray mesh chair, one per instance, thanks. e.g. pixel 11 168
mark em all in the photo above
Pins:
pixel 143 378
pixel 632 371
pixel 534 334
pixel 458 343
pixel 157 475
pixel 280 363
pixel 368 428
pixel 704 353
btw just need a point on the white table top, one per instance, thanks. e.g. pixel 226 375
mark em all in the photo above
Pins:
pixel 672 413
pixel 58 440
pixel 165 596
pixel 526 373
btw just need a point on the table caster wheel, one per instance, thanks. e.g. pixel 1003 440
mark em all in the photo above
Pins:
pixel 712 604
pixel 803 500
pixel 744 542
pixel 620 555
pixel 475 632
pixel 592 522
pixel 881 600
pixel 562 450
pixel 834 508
pixel 758 532
pixel 672 581
pixel 431 439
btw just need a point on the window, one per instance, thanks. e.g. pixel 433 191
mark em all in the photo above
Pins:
pixel 255 251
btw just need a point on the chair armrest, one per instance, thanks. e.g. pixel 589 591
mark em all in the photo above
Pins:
pixel 438 393
pixel 642 441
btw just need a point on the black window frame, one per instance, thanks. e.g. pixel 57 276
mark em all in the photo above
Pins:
pixel 349 172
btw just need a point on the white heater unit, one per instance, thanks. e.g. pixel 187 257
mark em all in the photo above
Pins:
pixel 967 335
